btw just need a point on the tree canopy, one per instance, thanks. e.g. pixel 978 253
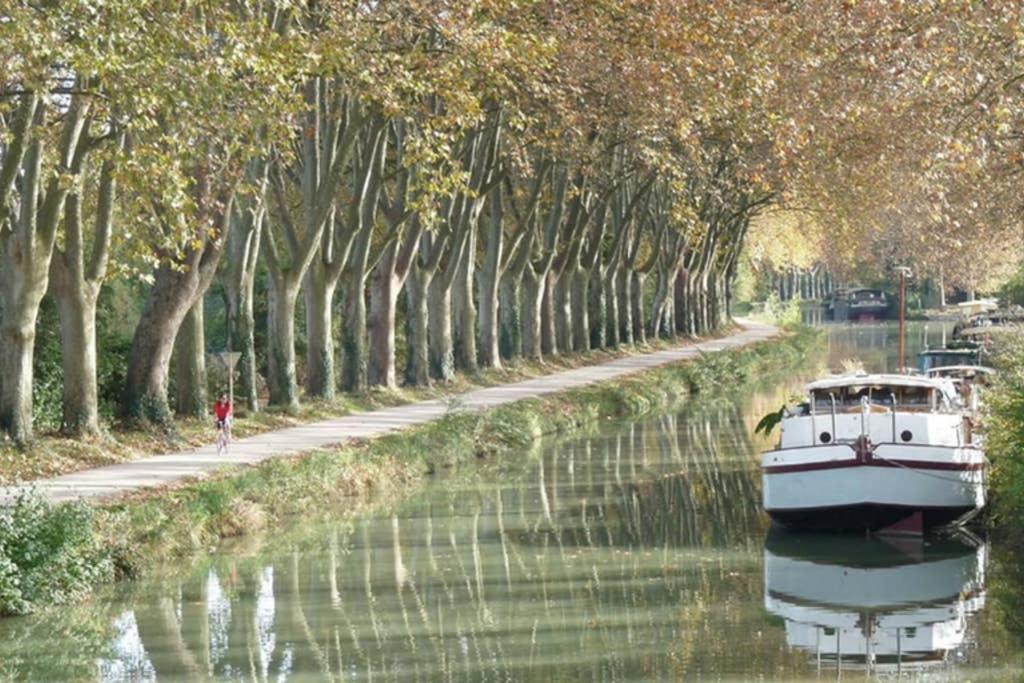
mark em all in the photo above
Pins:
pixel 434 185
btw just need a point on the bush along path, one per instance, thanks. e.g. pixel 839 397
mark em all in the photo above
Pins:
pixel 162 470
pixel 55 553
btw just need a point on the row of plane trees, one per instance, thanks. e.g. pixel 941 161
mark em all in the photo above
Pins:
pixel 478 180
pixel 465 186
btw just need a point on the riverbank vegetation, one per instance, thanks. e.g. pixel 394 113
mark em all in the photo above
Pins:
pixel 1004 441
pixel 1004 446
pixel 355 195
pixel 128 537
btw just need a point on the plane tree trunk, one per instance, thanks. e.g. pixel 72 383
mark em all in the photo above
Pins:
pixel 176 288
pixel 386 283
pixel 325 139
pixel 462 215
pixel 538 336
pixel 507 339
pixel 420 324
pixel 347 245
pixel 566 269
pixel 30 210
pixel 239 281
pixel 76 277
pixel 417 361
pixel 482 163
pixel 190 377
pixel 504 262
pixel 608 273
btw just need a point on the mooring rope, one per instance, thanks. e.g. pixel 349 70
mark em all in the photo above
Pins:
pixel 896 463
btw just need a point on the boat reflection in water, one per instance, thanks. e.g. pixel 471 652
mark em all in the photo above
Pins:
pixel 882 605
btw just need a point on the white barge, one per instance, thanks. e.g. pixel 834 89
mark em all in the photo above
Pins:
pixel 876 452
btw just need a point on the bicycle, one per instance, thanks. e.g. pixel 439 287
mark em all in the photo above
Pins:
pixel 223 437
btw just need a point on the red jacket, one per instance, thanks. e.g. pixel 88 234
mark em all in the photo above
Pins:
pixel 222 410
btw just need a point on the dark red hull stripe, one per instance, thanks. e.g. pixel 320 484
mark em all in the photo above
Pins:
pixel 861 517
pixel 861 507
pixel 897 606
pixel 889 462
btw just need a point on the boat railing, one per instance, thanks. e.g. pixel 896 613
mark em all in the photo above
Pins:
pixel 832 397
pixel 892 395
pixel 865 416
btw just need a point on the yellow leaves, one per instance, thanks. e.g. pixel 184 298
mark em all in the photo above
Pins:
pixel 786 238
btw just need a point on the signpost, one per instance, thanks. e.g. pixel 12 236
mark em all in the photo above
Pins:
pixel 228 360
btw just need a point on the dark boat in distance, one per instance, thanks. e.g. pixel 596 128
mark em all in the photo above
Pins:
pixel 860 304
pixel 954 355
pixel 980 329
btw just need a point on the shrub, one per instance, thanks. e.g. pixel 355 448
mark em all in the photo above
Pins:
pixel 782 313
pixel 49 554
pixel 1004 439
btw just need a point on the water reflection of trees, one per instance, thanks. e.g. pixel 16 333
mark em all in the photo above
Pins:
pixel 874 344
pixel 621 556
pixel 693 484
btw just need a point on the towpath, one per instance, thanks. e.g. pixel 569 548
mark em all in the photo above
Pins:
pixel 160 470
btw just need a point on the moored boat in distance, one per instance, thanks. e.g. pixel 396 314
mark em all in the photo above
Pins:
pixel 859 304
pixel 873 452
pixel 948 356
pixel 984 328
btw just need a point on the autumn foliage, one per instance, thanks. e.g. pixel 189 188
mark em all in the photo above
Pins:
pixel 426 185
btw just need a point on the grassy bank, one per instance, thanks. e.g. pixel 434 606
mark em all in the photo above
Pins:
pixel 127 538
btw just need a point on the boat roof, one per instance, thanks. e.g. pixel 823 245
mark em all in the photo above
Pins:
pixel 980 304
pixel 988 330
pixel 961 368
pixel 861 379
pixel 956 352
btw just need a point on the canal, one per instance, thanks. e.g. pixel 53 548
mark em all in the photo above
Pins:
pixel 636 553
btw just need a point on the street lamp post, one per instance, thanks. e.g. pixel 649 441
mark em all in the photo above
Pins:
pixel 904 274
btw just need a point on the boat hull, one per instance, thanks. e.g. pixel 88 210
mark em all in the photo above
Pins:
pixel 909 488
pixel 868 517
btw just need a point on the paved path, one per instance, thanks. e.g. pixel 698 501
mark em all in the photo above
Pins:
pixel 160 470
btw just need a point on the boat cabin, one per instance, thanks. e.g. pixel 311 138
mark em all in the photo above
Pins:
pixel 859 305
pixel 906 409
pixel 969 381
pixel 854 392
pixel 947 357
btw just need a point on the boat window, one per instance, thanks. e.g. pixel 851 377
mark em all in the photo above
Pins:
pixel 851 397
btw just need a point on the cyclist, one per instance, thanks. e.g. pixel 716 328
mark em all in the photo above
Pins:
pixel 222 418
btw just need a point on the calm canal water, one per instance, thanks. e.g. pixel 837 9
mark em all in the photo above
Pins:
pixel 640 553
